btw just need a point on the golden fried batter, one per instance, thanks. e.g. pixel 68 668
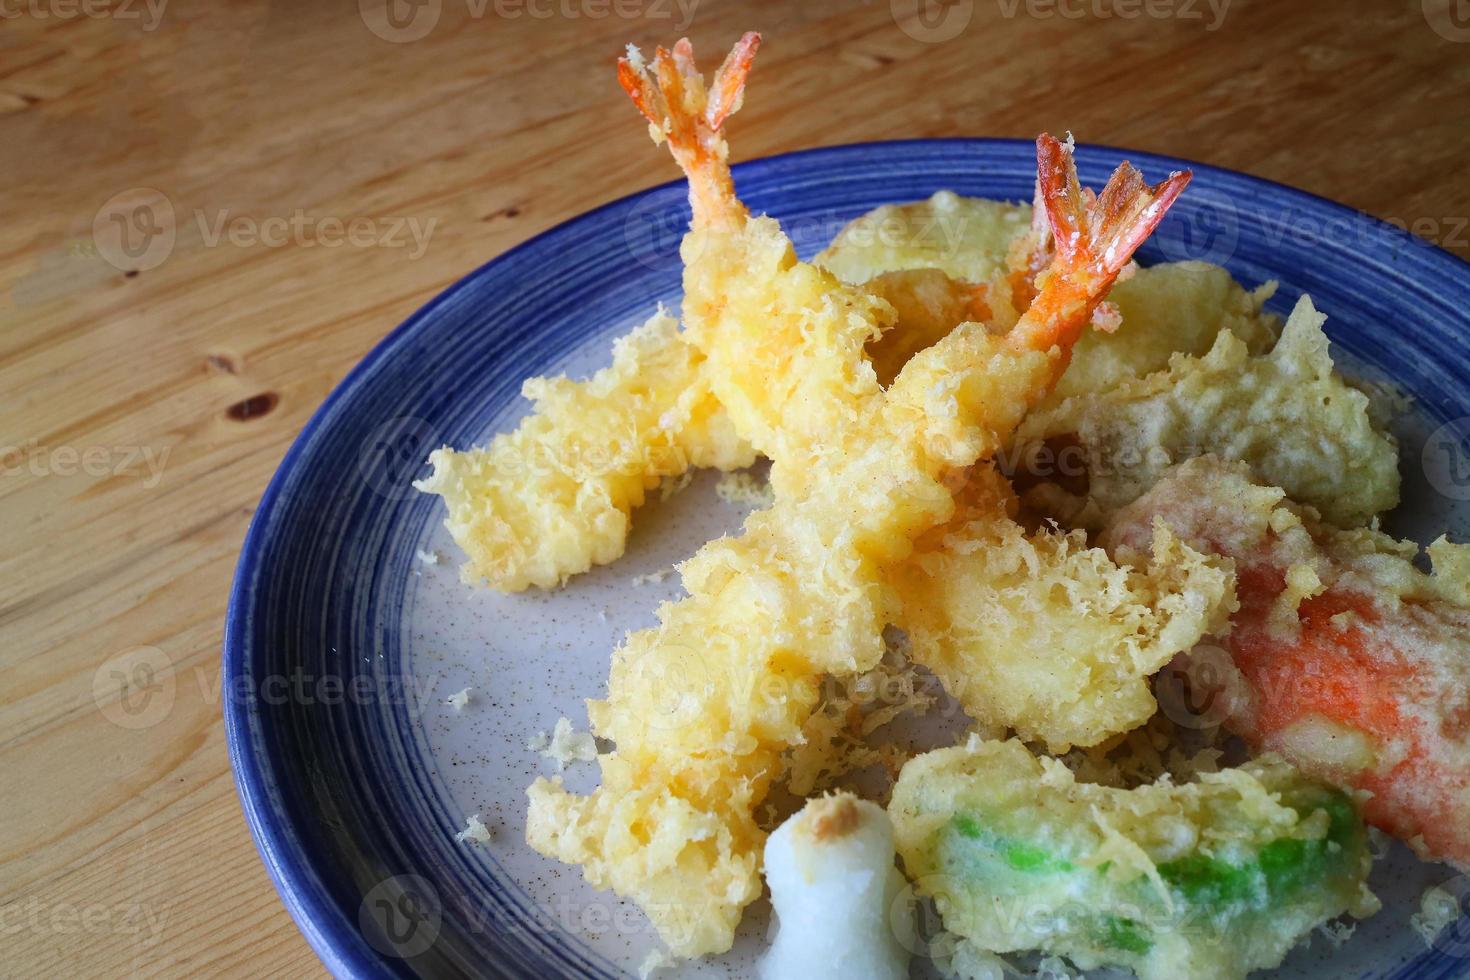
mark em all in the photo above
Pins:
pixel 1287 413
pixel 1044 635
pixel 553 497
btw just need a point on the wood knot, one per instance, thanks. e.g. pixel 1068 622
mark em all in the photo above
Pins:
pixel 221 363
pixel 253 407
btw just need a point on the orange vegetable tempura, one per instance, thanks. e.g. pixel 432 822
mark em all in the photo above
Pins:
pixel 1353 663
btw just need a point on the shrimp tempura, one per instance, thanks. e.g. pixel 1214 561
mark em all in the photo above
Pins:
pixel 554 497
pixel 1352 662
pixel 702 706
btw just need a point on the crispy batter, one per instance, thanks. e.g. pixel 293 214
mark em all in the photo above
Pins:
pixel 1286 413
pixel 702 707
pixel 1164 310
pixel 556 496
pixel 553 497
pixel 1167 309
pixel 966 238
pixel 1353 661
pixel 1044 635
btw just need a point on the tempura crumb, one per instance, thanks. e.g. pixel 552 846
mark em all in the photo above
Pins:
pixel 744 487
pixel 651 577
pixel 1157 750
pixel 836 735
pixel 475 831
pixel 675 484
pixel 656 960
pixel 427 557
pixel 459 699
pixel 1054 968
pixel 564 744
pixel 1337 932
pixel 1437 909
pixel 958 959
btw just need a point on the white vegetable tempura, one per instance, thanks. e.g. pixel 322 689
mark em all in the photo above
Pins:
pixel 834 888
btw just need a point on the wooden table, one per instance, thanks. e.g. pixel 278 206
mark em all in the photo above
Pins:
pixel 270 162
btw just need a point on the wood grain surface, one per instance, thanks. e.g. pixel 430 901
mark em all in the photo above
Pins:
pixel 266 153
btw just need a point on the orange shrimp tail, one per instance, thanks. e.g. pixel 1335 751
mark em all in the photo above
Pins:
pixel 729 81
pixel 1029 254
pixel 1093 238
pixel 1098 234
pixel 671 95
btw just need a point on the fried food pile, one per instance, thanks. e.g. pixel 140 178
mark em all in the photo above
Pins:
pixel 1054 473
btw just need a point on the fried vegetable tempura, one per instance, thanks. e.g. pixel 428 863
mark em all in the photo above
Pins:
pixel 1352 662
pixel 966 238
pixel 860 472
pixel 973 243
pixel 1163 310
pixel 1044 635
pixel 1287 413
pixel 1211 879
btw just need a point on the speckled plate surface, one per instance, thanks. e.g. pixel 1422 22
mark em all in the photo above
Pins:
pixel 342 643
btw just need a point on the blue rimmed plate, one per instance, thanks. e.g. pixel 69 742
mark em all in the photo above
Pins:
pixel 345 636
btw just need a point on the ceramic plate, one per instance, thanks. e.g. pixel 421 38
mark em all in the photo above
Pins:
pixel 343 642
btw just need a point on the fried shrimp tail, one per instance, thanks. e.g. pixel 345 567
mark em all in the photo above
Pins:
pixel 1094 238
pixel 680 109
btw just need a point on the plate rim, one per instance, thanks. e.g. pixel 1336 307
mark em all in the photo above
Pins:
pixel 343 951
